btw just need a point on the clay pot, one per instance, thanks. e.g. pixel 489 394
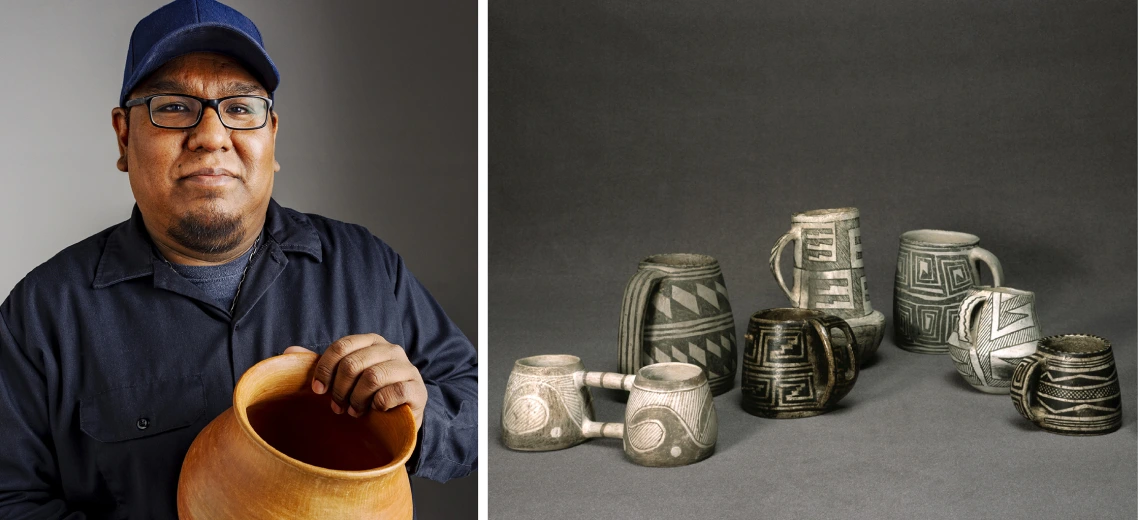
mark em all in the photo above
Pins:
pixel 280 452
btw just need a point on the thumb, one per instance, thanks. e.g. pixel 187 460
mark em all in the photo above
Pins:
pixel 296 350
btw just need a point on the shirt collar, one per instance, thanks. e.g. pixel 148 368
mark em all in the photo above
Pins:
pixel 129 252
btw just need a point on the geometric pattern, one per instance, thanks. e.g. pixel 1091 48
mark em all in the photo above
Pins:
pixel 828 267
pixel 690 321
pixel 786 369
pixel 995 330
pixel 929 287
pixel 1075 393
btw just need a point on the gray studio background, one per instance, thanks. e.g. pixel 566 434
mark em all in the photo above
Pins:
pixel 623 129
pixel 378 127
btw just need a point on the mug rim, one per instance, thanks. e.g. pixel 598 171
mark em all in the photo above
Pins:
pixel 826 215
pixel 939 238
pixel 1057 345
pixel 549 363
pixel 800 315
pixel 680 260
pixel 649 377
pixel 1003 289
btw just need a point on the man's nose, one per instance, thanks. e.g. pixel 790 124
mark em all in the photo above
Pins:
pixel 210 134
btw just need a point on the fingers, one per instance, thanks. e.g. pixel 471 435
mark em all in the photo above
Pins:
pixel 296 350
pixel 329 362
pixel 386 385
pixel 355 365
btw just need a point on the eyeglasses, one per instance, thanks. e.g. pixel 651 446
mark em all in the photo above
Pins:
pixel 180 112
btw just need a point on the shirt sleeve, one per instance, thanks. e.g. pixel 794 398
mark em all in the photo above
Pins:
pixel 448 444
pixel 29 474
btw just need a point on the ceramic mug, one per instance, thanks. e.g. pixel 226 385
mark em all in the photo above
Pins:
pixel 670 419
pixel 791 366
pixel 997 327
pixel 548 406
pixel 935 271
pixel 828 272
pixel 676 309
pixel 1069 386
pixel 828 263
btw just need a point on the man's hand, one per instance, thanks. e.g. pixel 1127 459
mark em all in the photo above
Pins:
pixel 364 371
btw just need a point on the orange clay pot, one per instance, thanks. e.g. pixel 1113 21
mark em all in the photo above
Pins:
pixel 280 452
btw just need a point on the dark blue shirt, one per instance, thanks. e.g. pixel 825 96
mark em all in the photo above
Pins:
pixel 106 333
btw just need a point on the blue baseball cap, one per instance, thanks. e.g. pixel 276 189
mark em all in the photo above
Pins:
pixel 186 26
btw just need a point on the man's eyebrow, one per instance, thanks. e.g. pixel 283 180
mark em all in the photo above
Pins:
pixel 170 86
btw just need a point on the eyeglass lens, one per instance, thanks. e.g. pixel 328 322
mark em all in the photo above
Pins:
pixel 183 112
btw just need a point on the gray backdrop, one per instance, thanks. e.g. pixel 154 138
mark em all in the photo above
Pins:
pixel 378 127
pixel 623 129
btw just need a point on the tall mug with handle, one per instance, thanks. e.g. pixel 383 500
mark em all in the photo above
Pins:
pixel 935 271
pixel 676 309
pixel 827 272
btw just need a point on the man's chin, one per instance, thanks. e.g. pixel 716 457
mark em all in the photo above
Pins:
pixel 207 231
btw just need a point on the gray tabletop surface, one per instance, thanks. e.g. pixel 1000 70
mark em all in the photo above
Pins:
pixel 624 129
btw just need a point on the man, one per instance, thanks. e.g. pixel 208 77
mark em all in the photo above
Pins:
pixel 115 353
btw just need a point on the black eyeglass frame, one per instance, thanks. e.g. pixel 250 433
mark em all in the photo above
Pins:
pixel 211 103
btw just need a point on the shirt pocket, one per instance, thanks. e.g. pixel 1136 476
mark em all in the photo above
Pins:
pixel 138 436
pixel 142 410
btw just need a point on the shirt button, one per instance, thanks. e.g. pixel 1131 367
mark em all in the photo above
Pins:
pixel 142 423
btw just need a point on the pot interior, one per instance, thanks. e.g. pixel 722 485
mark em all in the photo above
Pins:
pixel 276 402
pixel 304 427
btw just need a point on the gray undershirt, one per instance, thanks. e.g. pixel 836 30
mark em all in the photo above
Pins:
pixel 220 282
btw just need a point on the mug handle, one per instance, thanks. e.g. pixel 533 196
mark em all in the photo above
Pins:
pixel 978 254
pixel 633 305
pixel 614 381
pixel 1023 385
pixel 966 311
pixel 823 326
pixel 774 259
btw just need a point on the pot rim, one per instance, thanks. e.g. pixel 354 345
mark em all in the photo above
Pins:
pixel 285 368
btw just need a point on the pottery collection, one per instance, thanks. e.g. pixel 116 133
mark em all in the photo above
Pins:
pixel 791 367
pixel 280 452
pixel 1069 386
pixel 669 421
pixel 827 272
pixel 677 346
pixel 676 309
pixel 935 271
pixel 997 327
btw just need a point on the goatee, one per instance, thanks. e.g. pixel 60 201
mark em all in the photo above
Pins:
pixel 212 233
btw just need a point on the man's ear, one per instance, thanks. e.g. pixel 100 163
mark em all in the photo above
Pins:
pixel 273 128
pixel 120 119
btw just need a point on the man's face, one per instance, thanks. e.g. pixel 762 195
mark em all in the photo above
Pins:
pixel 202 187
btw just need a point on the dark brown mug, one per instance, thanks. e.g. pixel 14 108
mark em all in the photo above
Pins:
pixel 791 366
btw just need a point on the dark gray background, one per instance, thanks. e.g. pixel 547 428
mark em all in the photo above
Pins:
pixel 622 129
pixel 378 126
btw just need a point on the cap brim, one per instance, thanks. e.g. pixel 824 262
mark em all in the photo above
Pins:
pixel 206 37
